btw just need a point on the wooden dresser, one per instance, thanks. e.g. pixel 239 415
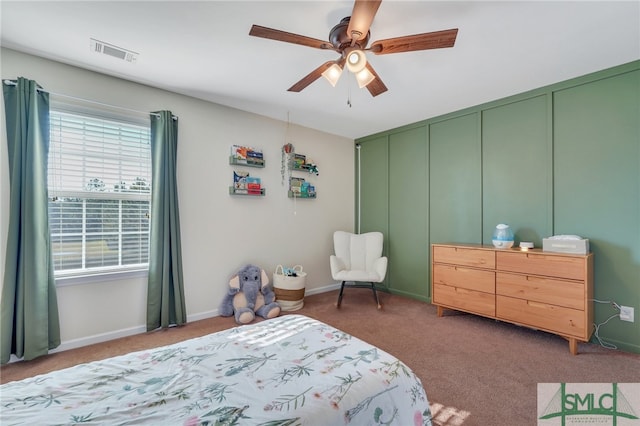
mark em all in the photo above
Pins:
pixel 542 290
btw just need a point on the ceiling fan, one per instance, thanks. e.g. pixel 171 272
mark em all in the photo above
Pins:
pixel 349 38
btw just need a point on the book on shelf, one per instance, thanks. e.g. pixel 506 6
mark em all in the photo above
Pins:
pixel 240 179
pixel 295 184
pixel 247 155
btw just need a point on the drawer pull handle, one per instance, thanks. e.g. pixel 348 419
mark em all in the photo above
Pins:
pixel 536 304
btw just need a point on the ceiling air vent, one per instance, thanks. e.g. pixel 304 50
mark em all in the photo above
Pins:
pixel 101 47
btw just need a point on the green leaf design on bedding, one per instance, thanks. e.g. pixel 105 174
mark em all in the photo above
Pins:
pixel 218 391
pixel 166 354
pixel 196 359
pixel 417 394
pixel 211 396
pixel 322 353
pixel 148 386
pixel 106 379
pixel 87 418
pixel 237 365
pixel 282 422
pixel 291 373
pixel 43 400
pixel 395 368
pixel 338 391
pixel 286 401
pixel 367 356
pixel 364 404
pixel 225 416
pixel 377 416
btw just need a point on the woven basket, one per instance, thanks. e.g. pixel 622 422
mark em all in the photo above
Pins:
pixel 289 290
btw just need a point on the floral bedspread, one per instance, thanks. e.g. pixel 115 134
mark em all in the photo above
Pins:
pixel 290 370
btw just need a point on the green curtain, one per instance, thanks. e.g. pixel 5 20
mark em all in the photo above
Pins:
pixel 165 293
pixel 29 307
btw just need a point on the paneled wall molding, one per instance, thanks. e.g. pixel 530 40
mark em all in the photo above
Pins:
pixel 560 159
pixel 550 89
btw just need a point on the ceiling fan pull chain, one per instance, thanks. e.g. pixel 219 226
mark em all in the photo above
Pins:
pixel 287 149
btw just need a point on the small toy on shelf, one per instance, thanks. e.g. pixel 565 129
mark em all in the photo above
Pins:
pixel 313 169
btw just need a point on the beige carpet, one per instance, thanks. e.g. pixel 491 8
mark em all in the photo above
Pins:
pixel 476 371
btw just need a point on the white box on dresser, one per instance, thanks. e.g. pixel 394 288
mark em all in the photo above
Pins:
pixel 573 246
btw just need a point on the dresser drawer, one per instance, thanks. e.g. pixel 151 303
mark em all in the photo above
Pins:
pixel 464 300
pixel 471 279
pixel 557 319
pixel 465 256
pixel 558 266
pixel 569 294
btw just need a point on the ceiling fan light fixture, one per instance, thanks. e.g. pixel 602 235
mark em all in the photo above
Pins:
pixel 364 77
pixel 356 60
pixel 332 74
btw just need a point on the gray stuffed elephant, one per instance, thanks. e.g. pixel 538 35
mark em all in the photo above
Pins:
pixel 249 295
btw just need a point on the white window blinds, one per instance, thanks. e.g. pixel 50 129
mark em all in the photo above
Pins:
pixel 100 192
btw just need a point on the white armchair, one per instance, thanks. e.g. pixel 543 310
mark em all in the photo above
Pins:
pixel 358 261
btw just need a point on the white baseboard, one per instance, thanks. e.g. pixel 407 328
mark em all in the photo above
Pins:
pixel 116 334
pixel 203 315
pixel 324 289
pixel 98 338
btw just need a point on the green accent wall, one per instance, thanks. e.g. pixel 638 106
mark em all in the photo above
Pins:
pixel 562 159
pixel 455 184
pixel 516 170
pixel 373 181
pixel 597 189
pixel 408 241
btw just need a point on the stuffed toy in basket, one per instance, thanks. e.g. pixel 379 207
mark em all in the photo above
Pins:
pixel 289 286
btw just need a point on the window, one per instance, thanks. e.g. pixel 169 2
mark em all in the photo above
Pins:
pixel 99 194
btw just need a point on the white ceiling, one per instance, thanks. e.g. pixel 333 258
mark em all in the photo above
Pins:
pixel 203 49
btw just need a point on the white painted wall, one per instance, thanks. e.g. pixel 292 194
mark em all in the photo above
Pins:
pixel 220 233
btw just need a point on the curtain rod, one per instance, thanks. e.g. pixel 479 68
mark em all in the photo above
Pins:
pixel 13 83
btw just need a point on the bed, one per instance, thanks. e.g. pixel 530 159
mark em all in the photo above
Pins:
pixel 290 370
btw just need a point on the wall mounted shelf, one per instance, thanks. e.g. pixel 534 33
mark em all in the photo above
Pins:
pixel 248 163
pixel 291 195
pixel 298 186
pixel 234 191
pixel 243 183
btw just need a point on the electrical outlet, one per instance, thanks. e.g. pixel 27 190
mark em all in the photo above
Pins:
pixel 627 313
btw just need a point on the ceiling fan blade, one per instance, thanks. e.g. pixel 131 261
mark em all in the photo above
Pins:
pixel 361 18
pixel 270 33
pixel 376 87
pixel 310 78
pixel 433 40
